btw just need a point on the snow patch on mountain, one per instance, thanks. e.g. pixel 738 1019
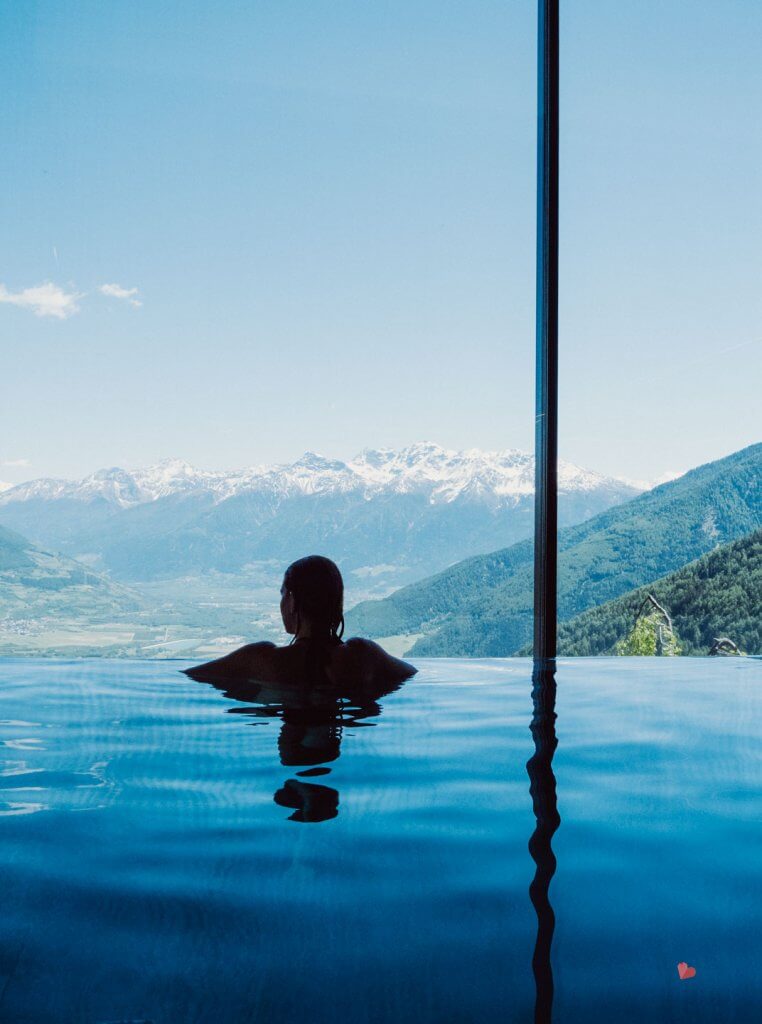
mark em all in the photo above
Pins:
pixel 648 485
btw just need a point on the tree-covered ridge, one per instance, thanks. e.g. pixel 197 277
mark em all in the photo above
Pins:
pixel 483 606
pixel 719 595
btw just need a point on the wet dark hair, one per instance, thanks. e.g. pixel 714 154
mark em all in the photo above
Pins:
pixel 318 591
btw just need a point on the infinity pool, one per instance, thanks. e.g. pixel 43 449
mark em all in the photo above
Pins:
pixel 171 855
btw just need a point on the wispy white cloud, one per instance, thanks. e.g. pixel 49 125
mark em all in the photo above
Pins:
pixel 46 299
pixel 116 291
pixel 15 463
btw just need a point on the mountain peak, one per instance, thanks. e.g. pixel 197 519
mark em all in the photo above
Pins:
pixel 169 469
pixel 311 460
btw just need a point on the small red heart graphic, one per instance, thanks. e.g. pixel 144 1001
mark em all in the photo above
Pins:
pixel 685 971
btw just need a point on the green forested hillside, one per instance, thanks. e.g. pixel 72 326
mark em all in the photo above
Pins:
pixel 718 595
pixel 483 606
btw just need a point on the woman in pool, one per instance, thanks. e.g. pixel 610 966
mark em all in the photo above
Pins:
pixel 312 609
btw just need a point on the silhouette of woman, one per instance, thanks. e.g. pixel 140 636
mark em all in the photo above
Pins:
pixel 312 609
pixel 316 685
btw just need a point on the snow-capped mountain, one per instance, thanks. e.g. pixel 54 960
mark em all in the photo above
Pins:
pixel 118 486
pixel 413 511
pixel 424 468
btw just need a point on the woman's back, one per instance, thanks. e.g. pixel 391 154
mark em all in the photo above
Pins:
pixel 312 609
pixel 308 662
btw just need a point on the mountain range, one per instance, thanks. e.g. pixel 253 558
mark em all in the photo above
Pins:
pixel 405 514
pixel 483 606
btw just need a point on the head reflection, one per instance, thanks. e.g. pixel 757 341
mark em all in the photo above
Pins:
pixel 542 787
pixel 310 801
pixel 314 718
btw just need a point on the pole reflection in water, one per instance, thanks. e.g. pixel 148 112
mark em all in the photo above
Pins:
pixel 542 786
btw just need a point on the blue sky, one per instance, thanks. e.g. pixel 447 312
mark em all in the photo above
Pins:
pixel 327 212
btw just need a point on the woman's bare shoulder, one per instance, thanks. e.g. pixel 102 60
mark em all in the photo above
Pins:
pixel 244 662
pixel 382 662
pixel 363 643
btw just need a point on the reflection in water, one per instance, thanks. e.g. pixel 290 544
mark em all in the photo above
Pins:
pixel 314 716
pixel 542 786
pixel 311 802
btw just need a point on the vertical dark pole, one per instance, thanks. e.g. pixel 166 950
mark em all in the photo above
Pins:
pixel 546 420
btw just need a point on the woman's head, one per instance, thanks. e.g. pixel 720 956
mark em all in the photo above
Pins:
pixel 312 597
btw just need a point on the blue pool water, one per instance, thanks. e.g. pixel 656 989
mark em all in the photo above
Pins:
pixel 159 862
